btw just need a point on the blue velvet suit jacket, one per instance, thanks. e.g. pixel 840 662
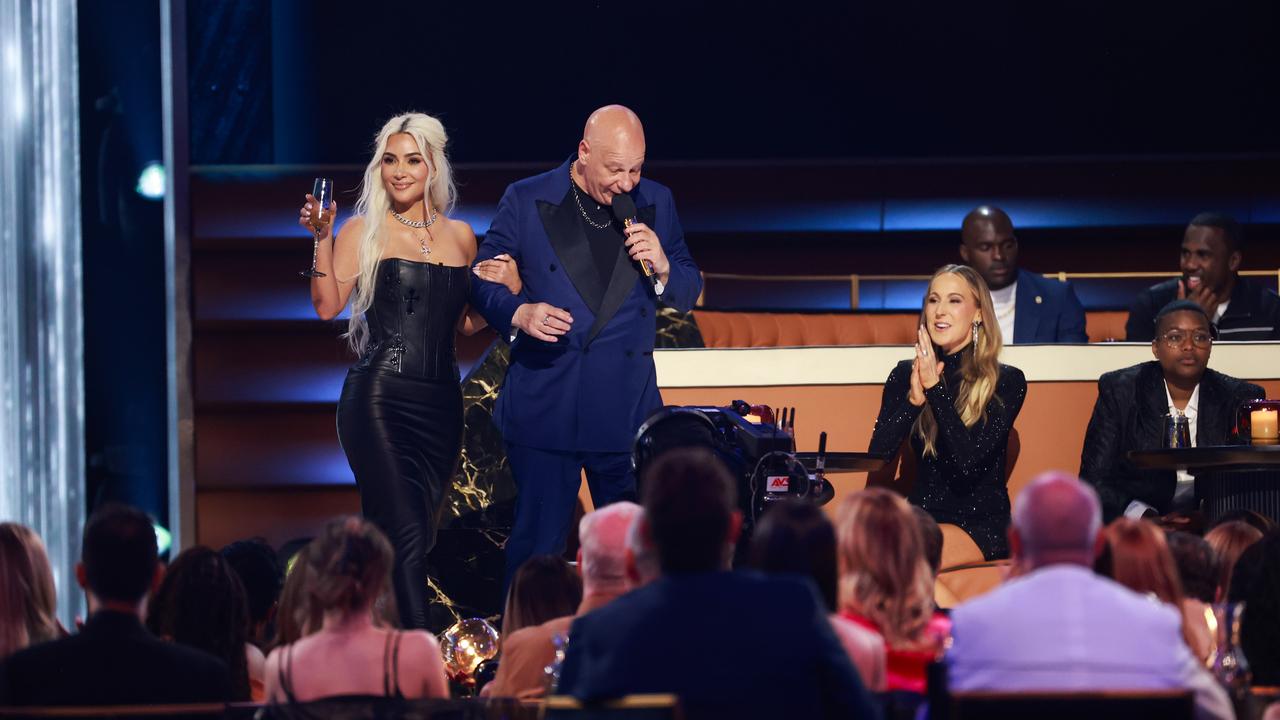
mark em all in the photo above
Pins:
pixel 1047 311
pixel 593 388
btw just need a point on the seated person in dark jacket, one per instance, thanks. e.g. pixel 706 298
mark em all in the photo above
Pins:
pixel 1132 403
pixel 1029 307
pixel 113 660
pixel 730 645
pixel 1212 250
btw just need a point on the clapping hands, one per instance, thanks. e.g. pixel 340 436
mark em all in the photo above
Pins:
pixel 926 368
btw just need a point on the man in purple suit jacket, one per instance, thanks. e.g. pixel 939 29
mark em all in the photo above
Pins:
pixel 582 378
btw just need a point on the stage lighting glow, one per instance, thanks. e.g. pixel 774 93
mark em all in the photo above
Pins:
pixel 164 539
pixel 151 181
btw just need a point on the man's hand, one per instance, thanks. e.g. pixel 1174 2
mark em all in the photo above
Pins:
pixel 1201 295
pixel 643 245
pixel 542 321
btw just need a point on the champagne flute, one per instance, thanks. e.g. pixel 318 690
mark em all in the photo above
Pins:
pixel 322 191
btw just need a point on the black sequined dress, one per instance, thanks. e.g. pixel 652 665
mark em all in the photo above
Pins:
pixel 964 484
pixel 400 415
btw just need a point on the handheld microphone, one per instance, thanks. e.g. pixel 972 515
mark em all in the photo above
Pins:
pixel 624 209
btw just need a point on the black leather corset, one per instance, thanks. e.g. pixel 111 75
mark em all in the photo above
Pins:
pixel 413 319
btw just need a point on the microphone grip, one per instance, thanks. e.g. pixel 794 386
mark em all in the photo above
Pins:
pixel 645 267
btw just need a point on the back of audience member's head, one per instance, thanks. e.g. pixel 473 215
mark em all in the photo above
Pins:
pixel 795 537
pixel 350 566
pixel 1252 517
pixel 544 588
pixel 255 563
pixel 931 536
pixel 1141 561
pixel 642 559
pixel 690 502
pixel 28 612
pixel 1229 540
pixel 296 615
pixel 1256 583
pixel 883 573
pixel 1197 565
pixel 602 549
pixel 118 556
pixel 201 604
pixel 1056 520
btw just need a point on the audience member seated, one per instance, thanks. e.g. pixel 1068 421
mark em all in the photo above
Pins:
pixel 602 560
pixel 28 599
pixel 1130 415
pixel 113 660
pixel 886 585
pixel 1059 627
pixel 544 588
pixel 1028 307
pixel 931 539
pixel 738 645
pixel 796 538
pixel 1212 249
pixel 296 615
pixel 1197 566
pixel 1229 540
pixel 255 563
pixel 1139 559
pixel 1256 583
pixel 955 404
pixel 351 655
pixel 201 604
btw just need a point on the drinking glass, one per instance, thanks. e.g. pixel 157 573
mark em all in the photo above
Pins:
pixel 322 191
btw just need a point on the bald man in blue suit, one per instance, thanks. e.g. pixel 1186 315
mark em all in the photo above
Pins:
pixel 582 378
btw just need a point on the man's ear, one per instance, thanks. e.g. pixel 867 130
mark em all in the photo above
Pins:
pixel 1015 544
pixel 1233 261
pixel 1154 346
pixel 584 149
pixel 578 559
pixel 964 253
pixel 82 576
pixel 1099 545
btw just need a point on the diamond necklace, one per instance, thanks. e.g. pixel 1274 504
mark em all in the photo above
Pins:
pixel 581 209
pixel 420 225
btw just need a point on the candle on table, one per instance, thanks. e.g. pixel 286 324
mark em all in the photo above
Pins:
pixel 1262 425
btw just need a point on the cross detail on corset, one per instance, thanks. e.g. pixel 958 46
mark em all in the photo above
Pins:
pixel 409 299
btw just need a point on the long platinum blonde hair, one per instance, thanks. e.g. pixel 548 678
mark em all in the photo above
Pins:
pixel 374 204
pixel 979 366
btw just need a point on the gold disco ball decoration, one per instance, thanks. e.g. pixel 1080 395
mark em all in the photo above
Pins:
pixel 465 645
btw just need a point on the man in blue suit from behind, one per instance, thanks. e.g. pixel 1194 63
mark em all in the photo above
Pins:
pixel 728 644
pixel 582 378
pixel 1029 308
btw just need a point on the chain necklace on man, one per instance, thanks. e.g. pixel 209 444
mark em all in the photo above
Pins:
pixel 420 225
pixel 581 209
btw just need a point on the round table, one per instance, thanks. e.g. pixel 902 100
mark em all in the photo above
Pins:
pixel 1228 477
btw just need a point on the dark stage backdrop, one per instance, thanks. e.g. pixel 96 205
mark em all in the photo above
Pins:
pixel 715 81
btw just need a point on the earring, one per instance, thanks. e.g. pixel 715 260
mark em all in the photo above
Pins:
pixel 976 325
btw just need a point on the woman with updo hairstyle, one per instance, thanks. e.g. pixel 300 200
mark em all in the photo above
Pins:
pixel 886 585
pixel 28 600
pixel 955 404
pixel 351 654
pixel 404 266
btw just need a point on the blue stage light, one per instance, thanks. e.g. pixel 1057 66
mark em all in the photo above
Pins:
pixel 151 181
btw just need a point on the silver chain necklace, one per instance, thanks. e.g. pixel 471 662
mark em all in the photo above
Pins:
pixel 581 209
pixel 420 225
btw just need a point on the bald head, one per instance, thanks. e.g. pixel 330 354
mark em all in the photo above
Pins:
pixel 603 536
pixel 988 245
pixel 1056 519
pixel 611 153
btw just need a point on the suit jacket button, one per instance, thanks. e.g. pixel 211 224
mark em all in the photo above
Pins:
pixel 553 267
pixel 644 312
pixel 629 353
pixel 586 350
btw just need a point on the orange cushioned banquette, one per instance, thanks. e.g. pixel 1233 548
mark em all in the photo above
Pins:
pixel 766 329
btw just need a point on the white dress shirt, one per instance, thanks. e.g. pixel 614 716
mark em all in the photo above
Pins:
pixel 1005 301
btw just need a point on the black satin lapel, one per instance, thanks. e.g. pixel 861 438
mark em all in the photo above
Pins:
pixel 569 241
pixel 622 281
